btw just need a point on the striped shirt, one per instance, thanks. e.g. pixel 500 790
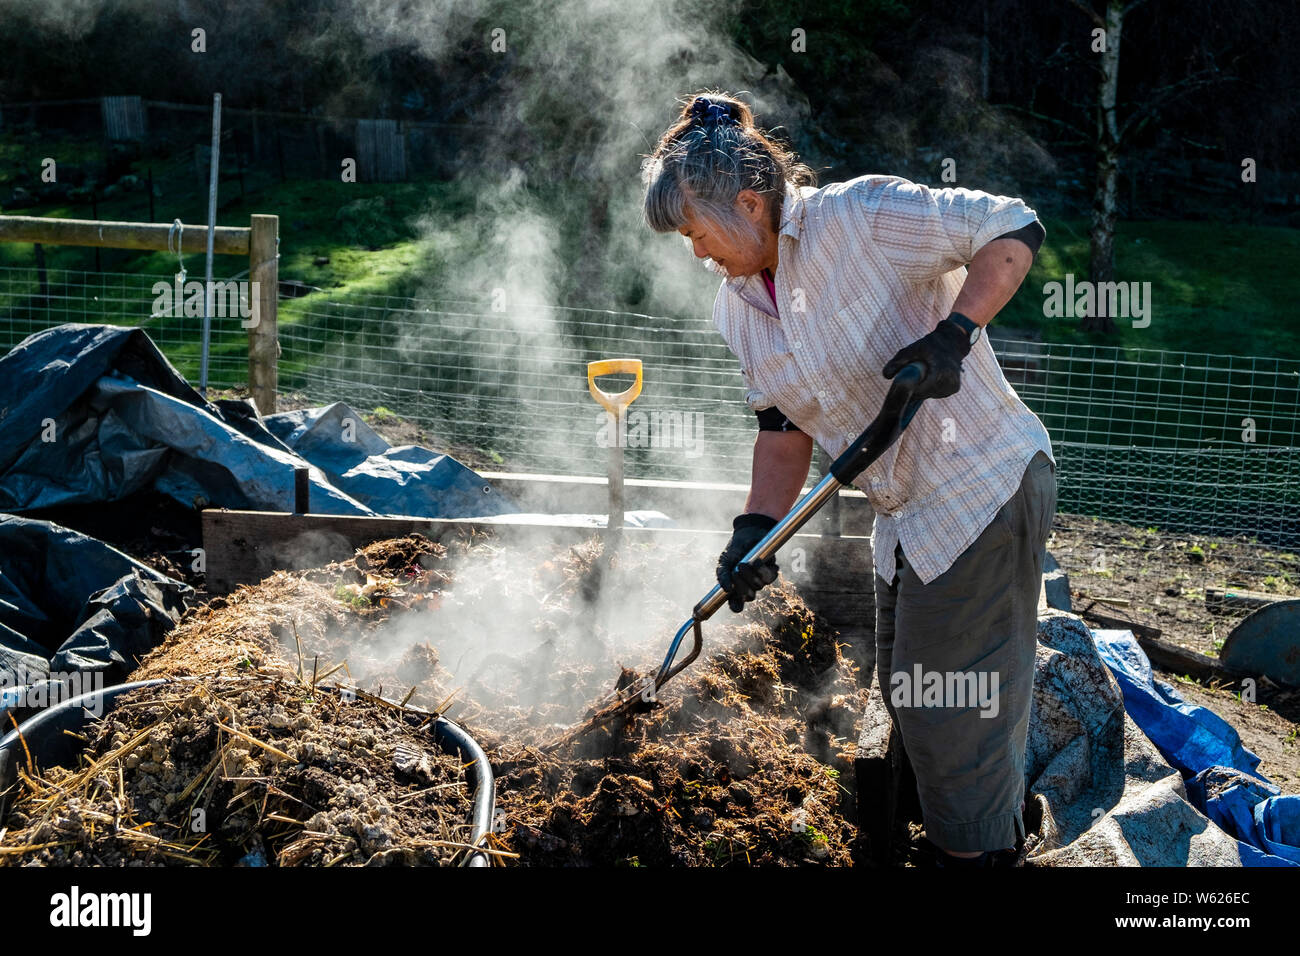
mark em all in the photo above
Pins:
pixel 865 268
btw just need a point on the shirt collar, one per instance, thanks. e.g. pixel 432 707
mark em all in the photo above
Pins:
pixel 751 288
pixel 792 212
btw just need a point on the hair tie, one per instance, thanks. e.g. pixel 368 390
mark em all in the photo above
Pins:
pixel 707 111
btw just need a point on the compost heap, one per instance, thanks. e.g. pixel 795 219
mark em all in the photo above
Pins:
pixel 252 769
pixel 742 761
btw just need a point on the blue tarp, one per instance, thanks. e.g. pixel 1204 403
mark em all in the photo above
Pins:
pixel 408 480
pixel 1222 779
pixel 1252 811
pixel 93 413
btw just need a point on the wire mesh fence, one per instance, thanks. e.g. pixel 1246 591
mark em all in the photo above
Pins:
pixel 1180 441
pixel 32 299
pixel 513 384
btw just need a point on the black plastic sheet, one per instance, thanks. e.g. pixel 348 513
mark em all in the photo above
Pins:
pixel 94 413
pixel 71 604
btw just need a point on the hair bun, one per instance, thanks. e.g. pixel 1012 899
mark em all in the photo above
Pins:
pixel 709 111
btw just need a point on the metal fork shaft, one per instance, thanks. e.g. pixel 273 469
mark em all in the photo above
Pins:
pixel 895 415
pixel 783 531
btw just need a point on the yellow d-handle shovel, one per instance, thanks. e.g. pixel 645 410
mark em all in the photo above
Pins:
pixel 616 405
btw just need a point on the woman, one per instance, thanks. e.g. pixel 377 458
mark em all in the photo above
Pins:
pixel 827 294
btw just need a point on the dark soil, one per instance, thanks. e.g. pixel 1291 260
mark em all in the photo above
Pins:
pixel 1165 575
pixel 743 767
pixel 740 763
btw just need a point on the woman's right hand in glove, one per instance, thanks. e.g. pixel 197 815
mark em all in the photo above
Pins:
pixel 743 582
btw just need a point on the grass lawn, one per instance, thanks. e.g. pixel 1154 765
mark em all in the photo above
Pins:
pixel 1216 288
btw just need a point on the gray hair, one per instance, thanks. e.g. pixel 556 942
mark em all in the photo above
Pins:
pixel 706 158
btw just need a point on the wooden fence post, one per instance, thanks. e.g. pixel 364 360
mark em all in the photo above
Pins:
pixel 263 339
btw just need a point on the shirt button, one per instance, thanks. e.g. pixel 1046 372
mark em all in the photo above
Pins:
pixel 798 344
pixel 822 393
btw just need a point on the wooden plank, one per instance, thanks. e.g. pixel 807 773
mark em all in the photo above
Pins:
pixel 1218 600
pixel 227 240
pixel 878 769
pixel 1163 654
pixel 263 334
pixel 1106 620
pixel 836 575
pixel 243 547
pixel 694 504
pixel 1180 660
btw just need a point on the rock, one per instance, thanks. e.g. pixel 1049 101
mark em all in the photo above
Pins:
pixel 414 763
pixel 1056 584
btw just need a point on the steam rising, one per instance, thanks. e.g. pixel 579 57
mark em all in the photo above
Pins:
pixel 580 93
pixel 516 628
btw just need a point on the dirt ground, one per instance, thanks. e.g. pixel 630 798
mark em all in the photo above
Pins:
pixel 1163 578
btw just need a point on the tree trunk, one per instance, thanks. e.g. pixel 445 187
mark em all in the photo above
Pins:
pixel 984 55
pixel 1105 199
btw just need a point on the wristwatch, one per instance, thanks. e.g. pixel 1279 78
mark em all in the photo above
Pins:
pixel 966 325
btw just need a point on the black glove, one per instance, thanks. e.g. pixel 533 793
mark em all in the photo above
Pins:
pixel 743 584
pixel 941 351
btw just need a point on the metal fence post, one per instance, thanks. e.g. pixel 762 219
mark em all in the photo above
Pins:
pixel 214 181
pixel 263 338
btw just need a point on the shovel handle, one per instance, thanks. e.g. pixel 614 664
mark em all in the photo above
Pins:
pixel 894 416
pixel 614 403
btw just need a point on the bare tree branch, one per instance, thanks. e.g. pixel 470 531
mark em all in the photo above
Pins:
pixel 1092 14
pixel 1085 136
pixel 1065 57
pixel 1152 104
